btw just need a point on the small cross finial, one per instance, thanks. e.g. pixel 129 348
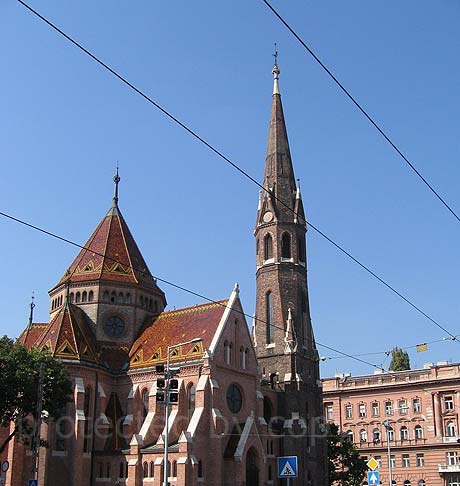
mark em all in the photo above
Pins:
pixel 116 179
pixel 32 306
pixel 275 55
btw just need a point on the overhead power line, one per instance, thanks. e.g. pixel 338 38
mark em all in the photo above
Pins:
pixel 176 286
pixel 362 110
pixel 234 165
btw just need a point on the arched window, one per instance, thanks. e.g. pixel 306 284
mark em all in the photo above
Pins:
pixel 200 469
pixel 286 245
pixel 169 469
pixel 150 304
pixel 191 400
pixel 363 435
pixel 174 469
pixel 60 300
pixel 350 436
pixel 245 356
pixel 113 297
pixel 301 250
pixel 105 296
pixel 84 296
pixel 77 297
pixel 121 298
pixel 128 298
pixel 269 317
pixel 376 436
pixel 268 247
pixel 418 432
pixel 152 469
pixel 404 433
pixel 155 305
pixel 87 411
pixel 121 472
pixel 52 304
pixel 90 296
pixel 71 297
pixel 228 352
pixel 421 483
pixel 145 400
pixel 406 482
pixel 450 429
pixel 145 470
pixel 242 358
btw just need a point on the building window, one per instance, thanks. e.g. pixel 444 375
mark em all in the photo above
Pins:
pixel 286 246
pixel 363 435
pixel 86 410
pixel 454 481
pixel 406 482
pixel 329 412
pixel 191 400
pixel 362 410
pixel 404 433
pixel 379 461
pixel 421 483
pixel 448 403
pixel 268 247
pixel 417 406
pixel 452 458
pixel 61 430
pixel 128 298
pixel 388 408
pixel 145 401
pixel 391 435
pixel 450 429
pixel 403 408
pixel 405 460
pixel 174 469
pixel 152 469
pixel 77 297
pixel 392 461
pixel 105 296
pixel 376 436
pixel 84 296
pixel 243 357
pixel 200 469
pixel 301 250
pixel 349 436
pixel 269 317
pixel 420 460
pixel 270 474
pixel 375 409
pixel 349 411
pixel 418 432
pixel 145 470
pixel 121 472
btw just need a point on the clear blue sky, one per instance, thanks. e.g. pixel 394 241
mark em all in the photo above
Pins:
pixel 64 122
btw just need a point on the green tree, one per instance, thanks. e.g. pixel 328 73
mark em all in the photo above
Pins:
pixel 399 360
pixel 19 379
pixel 345 466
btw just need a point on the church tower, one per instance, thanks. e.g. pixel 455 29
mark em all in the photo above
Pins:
pixel 283 334
pixel 110 282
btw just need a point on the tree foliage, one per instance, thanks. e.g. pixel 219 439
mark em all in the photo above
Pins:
pixel 19 372
pixel 345 466
pixel 399 360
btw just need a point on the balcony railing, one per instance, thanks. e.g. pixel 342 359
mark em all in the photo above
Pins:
pixel 448 468
pixel 450 439
pixel 393 443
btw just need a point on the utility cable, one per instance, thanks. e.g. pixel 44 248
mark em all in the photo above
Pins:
pixel 362 110
pixel 235 166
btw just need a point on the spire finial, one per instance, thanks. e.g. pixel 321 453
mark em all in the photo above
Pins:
pixel 276 72
pixel 32 307
pixel 116 179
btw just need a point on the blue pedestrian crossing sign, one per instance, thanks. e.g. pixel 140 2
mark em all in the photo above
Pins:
pixel 33 482
pixel 373 478
pixel 287 467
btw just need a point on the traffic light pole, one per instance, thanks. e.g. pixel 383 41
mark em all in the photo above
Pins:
pixel 166 434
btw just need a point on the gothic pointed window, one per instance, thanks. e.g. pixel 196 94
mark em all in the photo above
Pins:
pixel 90 296
pixel 301 250
pixel 145 401
pixel 77 297
pixel 152 469
pixel 286 245
pixel 105 296
pixel 145 470
pixel 269 317
pixel 84 296
pixel 71 297
pixel 191 400
pixel 87 410
pixel 268 247
pixel 128 298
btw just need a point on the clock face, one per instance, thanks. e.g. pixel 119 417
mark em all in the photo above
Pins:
pixel 234 398
pixel 114 326
pixel 268 216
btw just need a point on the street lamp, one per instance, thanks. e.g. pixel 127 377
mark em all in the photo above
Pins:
pixel 387 426
pixel 166 434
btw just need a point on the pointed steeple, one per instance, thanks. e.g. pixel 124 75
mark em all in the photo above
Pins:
pixel 116 179
pixel 279 173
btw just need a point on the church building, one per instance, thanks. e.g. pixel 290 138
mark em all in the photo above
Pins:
pixel 239 399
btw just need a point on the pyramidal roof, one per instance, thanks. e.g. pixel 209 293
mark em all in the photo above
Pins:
pixel 110 253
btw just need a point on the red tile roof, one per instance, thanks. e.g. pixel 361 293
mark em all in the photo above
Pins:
pixel 110 254
pixel 175 327
pixel 30 335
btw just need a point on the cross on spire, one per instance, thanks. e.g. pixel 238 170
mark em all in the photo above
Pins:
pixel 275 55
pixel 116 179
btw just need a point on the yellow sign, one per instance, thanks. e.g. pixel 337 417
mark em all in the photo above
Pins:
pixel 372 464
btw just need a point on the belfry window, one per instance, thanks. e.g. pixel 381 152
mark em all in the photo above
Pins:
pixel 269 317
pixel 286 246
pixel 77 297
pixel 268 247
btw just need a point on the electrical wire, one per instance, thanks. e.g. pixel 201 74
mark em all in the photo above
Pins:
pixel 234 165
pixel 362 110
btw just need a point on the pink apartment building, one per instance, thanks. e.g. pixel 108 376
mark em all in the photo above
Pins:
pixel 422 407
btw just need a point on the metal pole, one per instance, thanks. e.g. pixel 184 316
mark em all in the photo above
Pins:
pixel 386 423
pixel 38 423
pixel 166 435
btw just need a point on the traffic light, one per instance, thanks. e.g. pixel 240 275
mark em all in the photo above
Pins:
pixel 160 396
pixel 173 397
pixel 173 384
pixel 161 383
pixel 160 369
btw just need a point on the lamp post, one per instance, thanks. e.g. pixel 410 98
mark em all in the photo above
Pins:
pixel 166 434
pixel 387 426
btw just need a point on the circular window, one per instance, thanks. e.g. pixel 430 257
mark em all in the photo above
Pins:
pixel 234 398
pixel 114 326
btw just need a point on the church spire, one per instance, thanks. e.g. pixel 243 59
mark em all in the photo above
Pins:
pixel 116 179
